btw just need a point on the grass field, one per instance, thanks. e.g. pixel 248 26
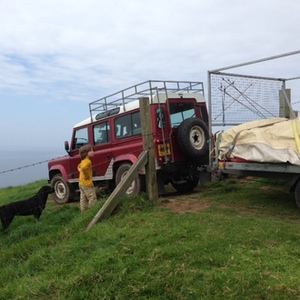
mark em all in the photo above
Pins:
pixel 235 239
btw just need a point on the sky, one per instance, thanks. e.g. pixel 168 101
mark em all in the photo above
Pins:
pixel 57 56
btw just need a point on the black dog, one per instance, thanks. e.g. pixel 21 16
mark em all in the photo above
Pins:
pixel 32 206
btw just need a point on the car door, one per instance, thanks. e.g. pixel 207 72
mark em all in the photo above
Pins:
pixel 103 159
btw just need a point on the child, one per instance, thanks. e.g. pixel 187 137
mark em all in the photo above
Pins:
pixel 86 185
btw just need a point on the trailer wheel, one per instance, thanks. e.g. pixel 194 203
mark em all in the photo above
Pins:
pixel 192 138
pixel 135 187
pixel 297 194
pixel 62 191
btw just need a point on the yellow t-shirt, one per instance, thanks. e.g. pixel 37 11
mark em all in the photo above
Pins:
pixel 85 173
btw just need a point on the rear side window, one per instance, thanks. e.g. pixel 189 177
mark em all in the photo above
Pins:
pixel 204 114
pixel 181 111
pixel 128 125
pixel 101 133
pixel 160 117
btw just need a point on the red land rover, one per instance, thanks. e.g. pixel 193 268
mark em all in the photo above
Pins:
pixel 180 133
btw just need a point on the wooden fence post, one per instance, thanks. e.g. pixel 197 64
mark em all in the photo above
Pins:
pixel 151 177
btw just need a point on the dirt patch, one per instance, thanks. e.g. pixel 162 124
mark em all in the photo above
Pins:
pixel 182 206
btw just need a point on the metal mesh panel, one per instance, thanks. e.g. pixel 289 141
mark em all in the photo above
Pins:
pixel 237 99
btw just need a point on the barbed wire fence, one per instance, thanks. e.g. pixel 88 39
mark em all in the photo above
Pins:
pixel 29 165
pixel 136 152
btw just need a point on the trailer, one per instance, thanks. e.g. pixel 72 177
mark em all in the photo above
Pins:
pixel 234 100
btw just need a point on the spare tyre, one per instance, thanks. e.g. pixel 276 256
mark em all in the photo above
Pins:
pixel 192 138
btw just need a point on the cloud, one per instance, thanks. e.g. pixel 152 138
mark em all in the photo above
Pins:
pixel 69 53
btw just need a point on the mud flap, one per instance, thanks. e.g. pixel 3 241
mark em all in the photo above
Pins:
pixel 160 186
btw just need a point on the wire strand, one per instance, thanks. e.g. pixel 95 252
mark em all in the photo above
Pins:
pixel 46 161
pixel 29 165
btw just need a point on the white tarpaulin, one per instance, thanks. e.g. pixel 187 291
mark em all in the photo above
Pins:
pixel 271 140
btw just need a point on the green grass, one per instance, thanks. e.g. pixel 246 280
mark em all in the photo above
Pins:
pixel 243 244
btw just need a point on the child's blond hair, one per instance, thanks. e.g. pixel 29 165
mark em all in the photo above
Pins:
pixel 84 150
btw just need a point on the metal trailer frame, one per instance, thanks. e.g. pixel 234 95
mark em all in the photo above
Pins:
pixel 284 171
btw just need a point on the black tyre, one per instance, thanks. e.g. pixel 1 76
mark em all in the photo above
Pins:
pixel 192 138
pixel 136 186
pixel 297 194
pixel 62 191
pixel 185 186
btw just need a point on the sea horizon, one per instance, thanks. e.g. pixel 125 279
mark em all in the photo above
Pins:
pixel 26 166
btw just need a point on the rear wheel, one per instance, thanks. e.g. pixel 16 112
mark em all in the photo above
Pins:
pixel 62 191
pixel 136 185
pixel 185 186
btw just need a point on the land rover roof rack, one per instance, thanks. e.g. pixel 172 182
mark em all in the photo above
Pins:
pixel 149 89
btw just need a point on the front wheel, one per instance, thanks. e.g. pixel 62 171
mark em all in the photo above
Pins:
pixel 62 192
pixel 136 185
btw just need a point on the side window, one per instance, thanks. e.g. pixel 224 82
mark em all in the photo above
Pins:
pixel 128 125
pixel 181 111
pixel 160 117
pixel 136 123
pixel 80 138
pixel 204 114
pixel 101 133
